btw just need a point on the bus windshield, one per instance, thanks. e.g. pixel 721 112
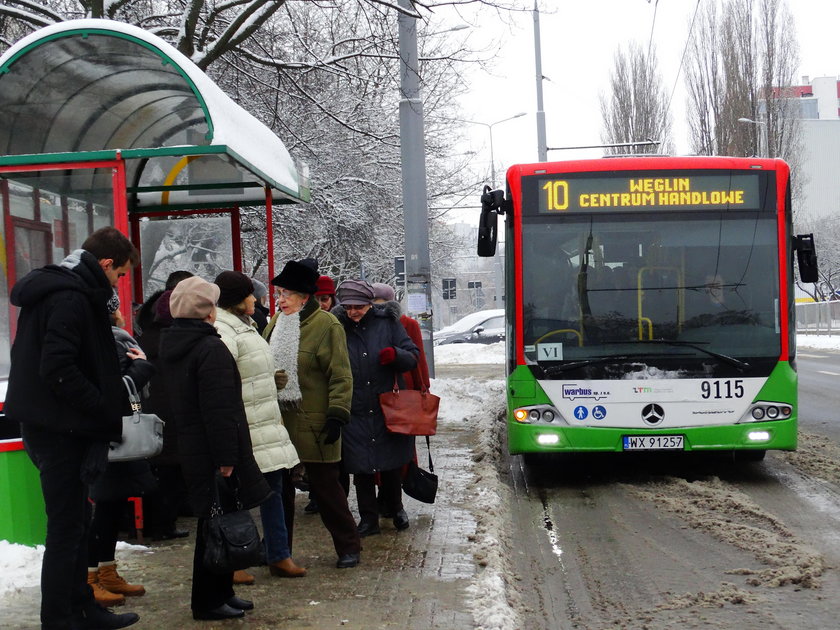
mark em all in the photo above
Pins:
pixel 671 294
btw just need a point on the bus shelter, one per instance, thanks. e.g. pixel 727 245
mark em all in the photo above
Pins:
pixel 103 123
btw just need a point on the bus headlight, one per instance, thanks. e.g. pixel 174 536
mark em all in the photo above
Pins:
pixel 537 414
pixel 763 411
pixel 547 439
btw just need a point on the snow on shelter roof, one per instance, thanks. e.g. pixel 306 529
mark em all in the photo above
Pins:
pixel 88 89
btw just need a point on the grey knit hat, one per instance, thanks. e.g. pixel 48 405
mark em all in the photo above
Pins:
pixel 354 292
pixel 260 290
pixel 382 291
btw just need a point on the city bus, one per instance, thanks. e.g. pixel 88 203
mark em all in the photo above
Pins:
pixel 650 304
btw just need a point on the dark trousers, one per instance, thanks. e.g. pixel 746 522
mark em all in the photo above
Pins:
pixel 390 490
pixel 161 507
pixel 332 506
pixel 104 530
pixel 289 505
pixel 209 590
pixel 64 587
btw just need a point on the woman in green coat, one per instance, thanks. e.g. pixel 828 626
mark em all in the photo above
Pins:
pixel 309 344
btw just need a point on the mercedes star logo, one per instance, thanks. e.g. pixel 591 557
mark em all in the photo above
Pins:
pixel 653 414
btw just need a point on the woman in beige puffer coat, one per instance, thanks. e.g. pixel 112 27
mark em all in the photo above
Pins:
pixel 273 449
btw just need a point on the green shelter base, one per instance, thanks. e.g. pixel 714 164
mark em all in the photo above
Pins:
pixel 23 518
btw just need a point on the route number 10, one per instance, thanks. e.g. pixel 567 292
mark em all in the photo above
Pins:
pixel 557 195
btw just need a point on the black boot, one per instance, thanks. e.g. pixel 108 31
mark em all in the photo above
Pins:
pixel 368 528
pixel 401 520
pixel 95 617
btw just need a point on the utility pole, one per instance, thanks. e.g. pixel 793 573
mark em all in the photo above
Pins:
pixel 542 145
pixel 418 276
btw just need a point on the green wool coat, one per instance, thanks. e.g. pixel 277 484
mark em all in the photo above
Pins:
pixel 326 383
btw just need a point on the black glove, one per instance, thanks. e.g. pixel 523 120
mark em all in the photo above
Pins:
pixel 331 430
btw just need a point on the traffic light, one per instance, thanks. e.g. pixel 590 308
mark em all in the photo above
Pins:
pixel 449 288
pixel 399 271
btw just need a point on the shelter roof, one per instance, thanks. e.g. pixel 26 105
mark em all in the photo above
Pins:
pixel 97 89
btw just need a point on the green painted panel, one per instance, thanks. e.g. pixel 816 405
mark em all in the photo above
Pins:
pixel 23 518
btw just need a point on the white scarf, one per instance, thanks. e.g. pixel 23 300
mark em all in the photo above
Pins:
pixel 285 343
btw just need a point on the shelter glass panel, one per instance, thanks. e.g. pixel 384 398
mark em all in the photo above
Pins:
pixel 46 215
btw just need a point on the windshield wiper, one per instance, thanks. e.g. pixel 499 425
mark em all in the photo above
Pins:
pixel 557 369
pixel 741 365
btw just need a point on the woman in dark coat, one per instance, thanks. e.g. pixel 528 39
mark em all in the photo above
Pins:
pixel 212 430
pixel 119 481
pixel 379 350
pixel 162 507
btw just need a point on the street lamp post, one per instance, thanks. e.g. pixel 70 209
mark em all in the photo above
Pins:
pixel 542 145
pixel 418 276
pixel 497 259
pixel 762 138
pixel 490 131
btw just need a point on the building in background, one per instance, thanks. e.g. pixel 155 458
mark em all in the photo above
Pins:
pixel 467 283
pixel 819 101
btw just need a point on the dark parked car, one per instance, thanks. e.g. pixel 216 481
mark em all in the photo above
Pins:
pixel 480 327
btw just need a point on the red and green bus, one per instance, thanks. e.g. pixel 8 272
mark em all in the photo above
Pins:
pixel 651 304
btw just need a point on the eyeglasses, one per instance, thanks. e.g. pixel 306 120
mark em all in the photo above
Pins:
pixel 283 293
pixel 355 307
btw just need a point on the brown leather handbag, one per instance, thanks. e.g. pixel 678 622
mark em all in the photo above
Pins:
pixel 410 412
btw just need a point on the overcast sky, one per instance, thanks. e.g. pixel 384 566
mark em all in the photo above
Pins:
pixel 578 41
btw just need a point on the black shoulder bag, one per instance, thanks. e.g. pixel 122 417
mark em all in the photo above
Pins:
pixel 232 541
pixel 421 484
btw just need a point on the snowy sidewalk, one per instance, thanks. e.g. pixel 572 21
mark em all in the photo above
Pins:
pixel 440 573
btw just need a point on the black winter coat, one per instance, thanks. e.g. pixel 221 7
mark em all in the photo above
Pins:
pixel 146 315
pixel 126 479
pixel 64 374
pixel 158 400
pixel 367 446
pixel 209 414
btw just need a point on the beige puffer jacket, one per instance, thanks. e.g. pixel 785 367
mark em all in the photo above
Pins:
pixel 273 448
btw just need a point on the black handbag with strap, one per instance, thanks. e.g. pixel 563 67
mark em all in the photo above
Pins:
pixel 232 541
pixel 421 484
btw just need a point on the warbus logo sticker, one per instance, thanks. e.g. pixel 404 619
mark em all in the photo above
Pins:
pixel 653 414
pixel 581 412
pixel 572 391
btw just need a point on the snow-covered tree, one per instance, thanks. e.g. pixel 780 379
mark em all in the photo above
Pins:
pixel 636 108
pixel 324 76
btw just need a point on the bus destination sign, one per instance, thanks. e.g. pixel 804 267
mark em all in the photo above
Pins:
pixel 640 191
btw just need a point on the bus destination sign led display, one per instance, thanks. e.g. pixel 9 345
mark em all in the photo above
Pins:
pixel 643 192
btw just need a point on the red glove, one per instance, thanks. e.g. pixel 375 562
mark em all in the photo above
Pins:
pixel 387 355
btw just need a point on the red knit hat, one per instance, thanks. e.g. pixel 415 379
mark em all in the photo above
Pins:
pixel 326 286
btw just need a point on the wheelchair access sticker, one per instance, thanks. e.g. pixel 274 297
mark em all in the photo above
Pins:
pixel 599 412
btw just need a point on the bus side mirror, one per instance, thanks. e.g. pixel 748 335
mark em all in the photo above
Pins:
pixel 488 224
pixel 487 231
pixel 806 255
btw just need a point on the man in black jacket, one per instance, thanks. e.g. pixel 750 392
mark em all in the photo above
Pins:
pixel 65 390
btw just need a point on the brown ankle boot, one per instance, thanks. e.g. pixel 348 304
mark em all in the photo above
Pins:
pixel 103 597
pixel 112 581
pixel 286 568
pixel 243 577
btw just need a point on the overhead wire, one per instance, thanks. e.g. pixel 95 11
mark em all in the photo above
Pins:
pixel 682 59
